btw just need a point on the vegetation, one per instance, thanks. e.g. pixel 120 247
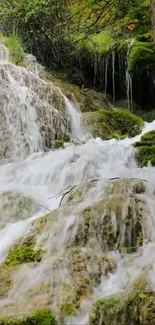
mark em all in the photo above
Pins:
pixel 40 317
pixel 23 254
pixel 146 149
pixel 138 309
pixel 112 124
pixel 67 309
pixel 83 39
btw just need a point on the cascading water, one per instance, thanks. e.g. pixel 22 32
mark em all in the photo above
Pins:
pixel 41 176
pixel 129 78
pixel 113 75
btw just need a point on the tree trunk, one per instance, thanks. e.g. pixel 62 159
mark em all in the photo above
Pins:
pixel 153 18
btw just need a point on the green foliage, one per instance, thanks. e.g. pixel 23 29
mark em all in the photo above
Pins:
pixel 23 254
pixel 146 149
pixel 40 317
pixel 101 43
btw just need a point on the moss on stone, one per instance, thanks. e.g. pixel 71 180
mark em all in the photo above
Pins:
pixel 5 280
pixel 88 100
pixel 40 317
pixel 86 268
pixel 112 124
pixel 141 56
pixel 146 149
pixel 23 254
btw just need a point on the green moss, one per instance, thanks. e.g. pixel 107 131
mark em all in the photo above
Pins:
pixel 67 309
pixel 145 155
pixel 40 317
pixel 16 51
pixel 106 312
pixel 59 144
pixel 146 149
pixel 23 254
pixel 149 136
pixel 141 56
pixel 138 308
pixel 112 124
pixel 5 280
pixel 87 99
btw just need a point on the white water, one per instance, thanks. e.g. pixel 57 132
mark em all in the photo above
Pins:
pixel 74 113
pixel 129 77
pixel 113 75
pixel 43 175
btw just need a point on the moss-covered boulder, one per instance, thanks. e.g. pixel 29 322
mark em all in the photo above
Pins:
pixel 146 149
pixel 118 220
pixel 141 56
pixel 112 124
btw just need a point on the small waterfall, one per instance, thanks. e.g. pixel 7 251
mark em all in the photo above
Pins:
pixel 74 113
pixel 4 53
pixel 106 74
pixel 33 113
pixel 113 75
pixel 129 78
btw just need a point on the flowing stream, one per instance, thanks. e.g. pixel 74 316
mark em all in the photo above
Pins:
pixel 41 175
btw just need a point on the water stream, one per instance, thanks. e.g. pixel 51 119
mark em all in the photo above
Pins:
pixel 41 175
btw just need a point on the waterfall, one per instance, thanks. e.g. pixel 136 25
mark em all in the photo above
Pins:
pixel 37 199
pixel 129 78
pixel 33 113
pixel 113 75
pixel 106 74
pixel 74 113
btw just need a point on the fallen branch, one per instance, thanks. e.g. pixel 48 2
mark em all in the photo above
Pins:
pixel 66 194
pixel 44 207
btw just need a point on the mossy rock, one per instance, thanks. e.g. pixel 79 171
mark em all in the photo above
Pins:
pixel 14 206
pixel 141 56
pixel 23 254
pixel 40 317
pixel 105 224
pixel 88 100
pixel 86 268
pixel 5 280
pixel 138 308
pixel 112 124
pixel 146 149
